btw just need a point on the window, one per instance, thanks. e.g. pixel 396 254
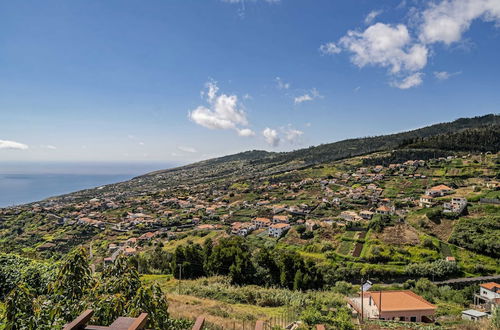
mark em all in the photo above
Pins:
pixel 402 318
pixel 413 319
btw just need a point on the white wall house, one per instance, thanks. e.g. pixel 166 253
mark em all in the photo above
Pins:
pixel 278 229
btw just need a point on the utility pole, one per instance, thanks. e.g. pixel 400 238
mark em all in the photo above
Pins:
pixel 180 279
pixel 380 304
pixel 362 312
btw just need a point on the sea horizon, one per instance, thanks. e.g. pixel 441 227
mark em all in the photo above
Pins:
pixel 23 183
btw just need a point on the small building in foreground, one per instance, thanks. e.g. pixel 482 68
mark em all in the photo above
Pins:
pixel 403 305
pixel 473 315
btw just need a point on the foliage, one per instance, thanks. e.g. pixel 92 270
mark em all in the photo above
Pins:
pixel 437 269
pixel 116 293
pixel 478 234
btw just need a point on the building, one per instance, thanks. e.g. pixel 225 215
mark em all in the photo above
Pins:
pixel 473 315
pixel 456 205
pixel 261 222
pixel 278 229
pixel 349 215
pixel 384 210
pixel 489 296
pixel 403 305
pixel 367 215
pixel 426 201
pixel 281 219
pixel 242 228
pixel 439 190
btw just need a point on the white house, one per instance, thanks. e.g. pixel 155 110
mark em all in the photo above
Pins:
pixel 490 290
pixel 278 229
pixel 456 205
pixel 261 222
pixel 489 295
pixel 426 201
pixel 439 190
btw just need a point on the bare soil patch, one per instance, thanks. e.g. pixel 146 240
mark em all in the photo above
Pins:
pixel 400 234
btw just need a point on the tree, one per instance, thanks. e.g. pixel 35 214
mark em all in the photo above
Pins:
pixel 19 309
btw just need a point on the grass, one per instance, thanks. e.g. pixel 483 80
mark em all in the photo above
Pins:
pixel 345 248
pixel 191 239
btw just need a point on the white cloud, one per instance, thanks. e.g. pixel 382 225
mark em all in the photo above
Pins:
pixel 223 111
pixel 292 135
pixel 281 84
pixel 6 144
pixel 271 136
pixel 49 146
pixel 448 20
pixel 371 16
pixel 312 95
pixel 187 149
pixel 246 132
pixel 443 75
pixel 409 82
pixel 330 48
pixel 405 53
pixel 387 46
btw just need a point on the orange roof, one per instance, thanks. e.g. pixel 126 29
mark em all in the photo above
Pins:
pixel 280 225
pixel 262 219
pixel 384 208
pixel 490 286
pixel 400 300
pixel 426 197
pixel 441 187
pixel 281 217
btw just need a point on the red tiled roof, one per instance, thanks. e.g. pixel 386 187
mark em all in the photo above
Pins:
pixel 400 300
pixel 490 286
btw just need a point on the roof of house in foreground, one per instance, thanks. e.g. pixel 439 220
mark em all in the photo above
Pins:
pixel 400 300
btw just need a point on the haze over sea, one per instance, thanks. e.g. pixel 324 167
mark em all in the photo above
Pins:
pixel 22 183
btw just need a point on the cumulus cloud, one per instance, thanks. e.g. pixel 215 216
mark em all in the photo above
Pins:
pixel 387 46
pixel 409 82
pixel 448 20
pixel 312 95
pixel 292 135
pixel 222 111
pixel 330 48
pixel 246 132
pixel 443 75
pixel 271 136
pixel 281 84
pixel 6 144
pixel 371 16
pixel 405 52
pixel 187 149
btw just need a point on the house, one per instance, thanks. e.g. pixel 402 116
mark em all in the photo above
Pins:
pixel 349 215
pixel 146 237
pixel 281 219
pixel 129 251
pixel 456 205
pixel 384 210
pixel 489 295
pixel 242 228
pixel 278 229
pixel 261 222
pixel 206 226
pixel 439 190
pixel 426 201
pixel 400 304
pixel 473 315
pixel 367 215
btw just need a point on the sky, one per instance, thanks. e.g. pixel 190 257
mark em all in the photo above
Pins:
pixel 172 82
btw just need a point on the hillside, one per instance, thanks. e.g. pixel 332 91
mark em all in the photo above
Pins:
pixel 342 211
pixel 259 163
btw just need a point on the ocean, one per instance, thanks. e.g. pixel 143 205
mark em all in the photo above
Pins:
pixel 25 188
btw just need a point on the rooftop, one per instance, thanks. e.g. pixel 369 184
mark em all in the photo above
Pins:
pixel 400 300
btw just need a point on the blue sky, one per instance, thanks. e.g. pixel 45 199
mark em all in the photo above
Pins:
pixel 179 81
